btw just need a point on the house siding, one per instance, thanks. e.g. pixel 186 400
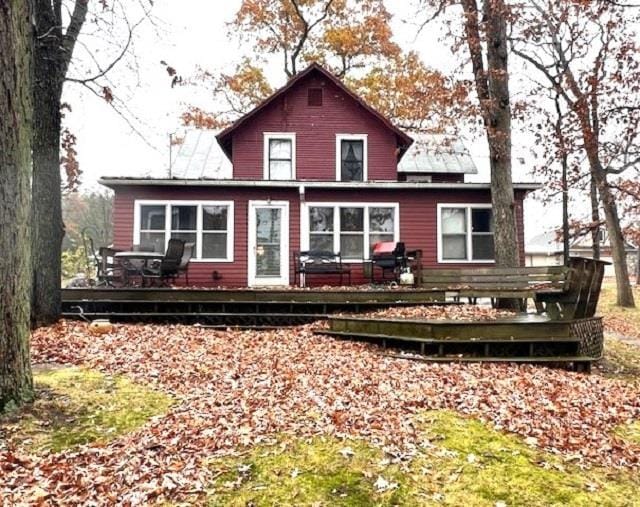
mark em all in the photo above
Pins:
pixel 315 129
pixel 417 215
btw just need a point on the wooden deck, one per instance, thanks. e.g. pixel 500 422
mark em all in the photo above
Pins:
pixel 528 337
pixel 533 338
pixel 241 308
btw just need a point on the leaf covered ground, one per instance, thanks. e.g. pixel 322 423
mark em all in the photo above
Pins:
pixel 623 322
pixel 444 312
pixel 458 461
pixel 237 391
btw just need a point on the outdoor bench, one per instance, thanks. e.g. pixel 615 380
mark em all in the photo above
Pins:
pixel 319 262
pixel 562 292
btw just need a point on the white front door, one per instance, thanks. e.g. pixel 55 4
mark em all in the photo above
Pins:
pixel 268 243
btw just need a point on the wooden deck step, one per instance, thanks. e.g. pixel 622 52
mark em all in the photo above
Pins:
pixel 479 359
pixel 546 339
pixel 101 315
pixel 222 320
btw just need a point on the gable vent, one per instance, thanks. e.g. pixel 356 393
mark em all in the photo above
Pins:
pixel 314 97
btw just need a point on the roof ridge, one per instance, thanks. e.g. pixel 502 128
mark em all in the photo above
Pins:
pixel 223 136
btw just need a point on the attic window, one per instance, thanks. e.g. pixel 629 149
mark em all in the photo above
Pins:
pixel 314 97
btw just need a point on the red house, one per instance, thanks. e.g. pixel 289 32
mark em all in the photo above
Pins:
pixel 312 167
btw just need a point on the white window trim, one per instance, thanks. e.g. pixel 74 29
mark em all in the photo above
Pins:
pixel 305 232
pixel 468 207
pixel 291 136
pixel 167 225
pixel 365 153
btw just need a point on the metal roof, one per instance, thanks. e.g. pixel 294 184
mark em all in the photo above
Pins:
pixel 309 184
pixel 544 243
pixel 437 153
pixel 201 157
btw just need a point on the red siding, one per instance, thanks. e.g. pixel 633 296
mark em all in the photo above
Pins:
pixel 315 129
pixel 418 220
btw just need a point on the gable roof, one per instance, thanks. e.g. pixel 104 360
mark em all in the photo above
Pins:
pixel 224 137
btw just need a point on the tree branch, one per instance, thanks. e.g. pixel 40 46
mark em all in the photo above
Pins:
pixel 113 63
pixel 73 31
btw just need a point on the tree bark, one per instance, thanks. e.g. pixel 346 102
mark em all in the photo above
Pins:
pixel 48 229
pixel 624 296
pixel 16 38
pixel 53 51
pixel 499 135
pixel 492 87
pixel 595 219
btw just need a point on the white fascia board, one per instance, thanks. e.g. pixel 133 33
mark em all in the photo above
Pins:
pixel 115 182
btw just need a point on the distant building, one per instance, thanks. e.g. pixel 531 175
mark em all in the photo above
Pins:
pixel 546 249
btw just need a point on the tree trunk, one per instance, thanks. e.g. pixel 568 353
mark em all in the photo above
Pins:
pixel 616 239
pixel 595 219
pixel 624 296
pixel 48 229
pixel 565 212
pixel 16 38
pixel 492 87
pixel 499 136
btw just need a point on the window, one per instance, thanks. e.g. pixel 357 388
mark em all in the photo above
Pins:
pixel 215 236
pixel 314 97
pixel 352 233
pixel 351 229
pixel 351 157
pixel 152 227
pixel 279 156
pixel 466 233
pixel 381 225
pixel 209 225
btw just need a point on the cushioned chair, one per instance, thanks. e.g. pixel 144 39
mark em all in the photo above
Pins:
pixel 167 268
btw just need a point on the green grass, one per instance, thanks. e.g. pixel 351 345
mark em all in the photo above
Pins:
pixel 79 406
pixel 463 463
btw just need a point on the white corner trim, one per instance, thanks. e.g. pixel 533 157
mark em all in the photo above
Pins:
pixel 138 203
pixel 267 136
pixel 365 153
pixel 468 207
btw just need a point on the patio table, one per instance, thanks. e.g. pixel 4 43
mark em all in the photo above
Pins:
pixel 126 257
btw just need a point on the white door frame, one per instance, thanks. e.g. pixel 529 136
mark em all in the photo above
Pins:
pixel 253 280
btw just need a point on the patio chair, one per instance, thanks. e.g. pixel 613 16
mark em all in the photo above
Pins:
pixel 108 272
pixel 184 261
pixel 167 268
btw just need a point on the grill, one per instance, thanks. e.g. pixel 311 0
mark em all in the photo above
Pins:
pixel 390 257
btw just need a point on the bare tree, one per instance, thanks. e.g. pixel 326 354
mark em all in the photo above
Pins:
pixel 587 54
pixel 492 87
pixel 16 43
pixel 56 44
pixel 481 27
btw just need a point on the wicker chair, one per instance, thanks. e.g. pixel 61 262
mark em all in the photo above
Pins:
pixel 167 268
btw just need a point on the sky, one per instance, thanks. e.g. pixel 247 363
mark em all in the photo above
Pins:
pixel 188 34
